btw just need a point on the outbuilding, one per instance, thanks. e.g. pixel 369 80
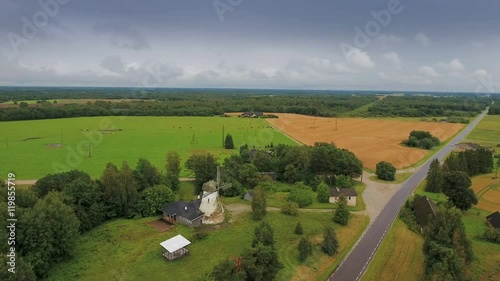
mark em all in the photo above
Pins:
pixel 175 247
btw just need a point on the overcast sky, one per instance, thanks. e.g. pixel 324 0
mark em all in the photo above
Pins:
pixel 438 45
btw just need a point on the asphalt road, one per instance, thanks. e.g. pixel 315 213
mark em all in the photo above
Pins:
pixel 353 267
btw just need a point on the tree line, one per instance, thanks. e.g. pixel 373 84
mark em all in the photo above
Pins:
pixel 290 164
pixel 210 102
pixel 53 212
pixel 423 106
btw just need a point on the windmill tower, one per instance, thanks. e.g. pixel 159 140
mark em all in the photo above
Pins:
pixel 211 204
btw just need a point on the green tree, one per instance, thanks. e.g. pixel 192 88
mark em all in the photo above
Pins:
pixel 497 167
pixel 226 270
pixel 434 177
pixel 330 245
pixel 342 213
pixel 264 162
pixel 23 270
pixel 344 181
pixel 385 171
pixel 49 235
pixel 302 196
pixel 446 247
pixel 228 142
pixel 456 186
pixel 23 104
pixel 298 229
pixel 85 198
pixel 146 174
pixel 153 198
pixel 173 166
pixel 204 167
pixel 261 263
pixel 305 248
pixel 248 175
pixel 259 203
pixel 323 193
pixel 119 190
pixel 263 234
pixel 57 182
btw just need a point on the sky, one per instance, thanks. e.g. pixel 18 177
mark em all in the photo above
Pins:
pixel 410 45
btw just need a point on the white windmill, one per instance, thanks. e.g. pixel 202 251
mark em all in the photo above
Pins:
pixel 211 204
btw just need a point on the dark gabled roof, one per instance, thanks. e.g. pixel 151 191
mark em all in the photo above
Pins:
pixel 494 219
pixel 346 191
pixel 424 207
pixel 179 208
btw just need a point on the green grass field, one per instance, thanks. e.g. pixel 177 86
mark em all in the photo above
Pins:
pixel 31 151
pixel 399 257
pixel 488 130
pixel 129 249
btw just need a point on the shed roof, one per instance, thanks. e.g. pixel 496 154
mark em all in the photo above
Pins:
pixel 346 191
pixel 175 243
pixel 494 219
pixel 424 207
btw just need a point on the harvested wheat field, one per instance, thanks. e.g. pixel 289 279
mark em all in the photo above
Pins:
pixel 487 190
pixel 372 140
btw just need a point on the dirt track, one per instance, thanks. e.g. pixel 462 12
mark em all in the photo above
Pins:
pixel 372 140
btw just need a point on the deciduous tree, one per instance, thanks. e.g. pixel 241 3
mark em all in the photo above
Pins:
pixel 385 171
pixel 259 203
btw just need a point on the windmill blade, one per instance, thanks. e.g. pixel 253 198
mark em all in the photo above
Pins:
pixel 226 186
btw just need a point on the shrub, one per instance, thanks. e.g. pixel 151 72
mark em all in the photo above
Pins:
pixel 290 208
pixel 323 193
pixel 298 229
pixel 385 171
pixel 305 248
pixel 491 235
pixel 330 244
pixel 303 197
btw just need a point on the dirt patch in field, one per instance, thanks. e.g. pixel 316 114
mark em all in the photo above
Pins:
pixel 487 190
pixel 372 140
pixel 53 145
pixel 160 225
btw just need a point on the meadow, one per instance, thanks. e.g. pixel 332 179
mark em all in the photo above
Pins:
pixel 33 149
pixel 488 130
pixel 129 249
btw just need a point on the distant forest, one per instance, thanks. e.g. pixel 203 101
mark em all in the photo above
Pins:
pixel 209 102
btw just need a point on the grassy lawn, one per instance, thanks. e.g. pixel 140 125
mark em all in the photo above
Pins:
pixel 129 250
pixel 400 178
pixel 399 257
pixel 31 147
pixel 277 199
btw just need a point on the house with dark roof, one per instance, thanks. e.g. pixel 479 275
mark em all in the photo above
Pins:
pixel 187 213
pixel 349 193
pixel 424 210
pixel 494 219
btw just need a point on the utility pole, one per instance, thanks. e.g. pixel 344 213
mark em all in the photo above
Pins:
pixel 222 136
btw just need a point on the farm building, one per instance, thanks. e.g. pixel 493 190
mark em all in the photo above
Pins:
pixel 175 247
pixel 251 114
pixel 349 193
pixel 187 213
pixel 424 208
pixel 466 146
pixel 248 196
pixel 494 219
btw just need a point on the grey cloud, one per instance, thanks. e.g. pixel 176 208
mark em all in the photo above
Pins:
pixel 122 34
